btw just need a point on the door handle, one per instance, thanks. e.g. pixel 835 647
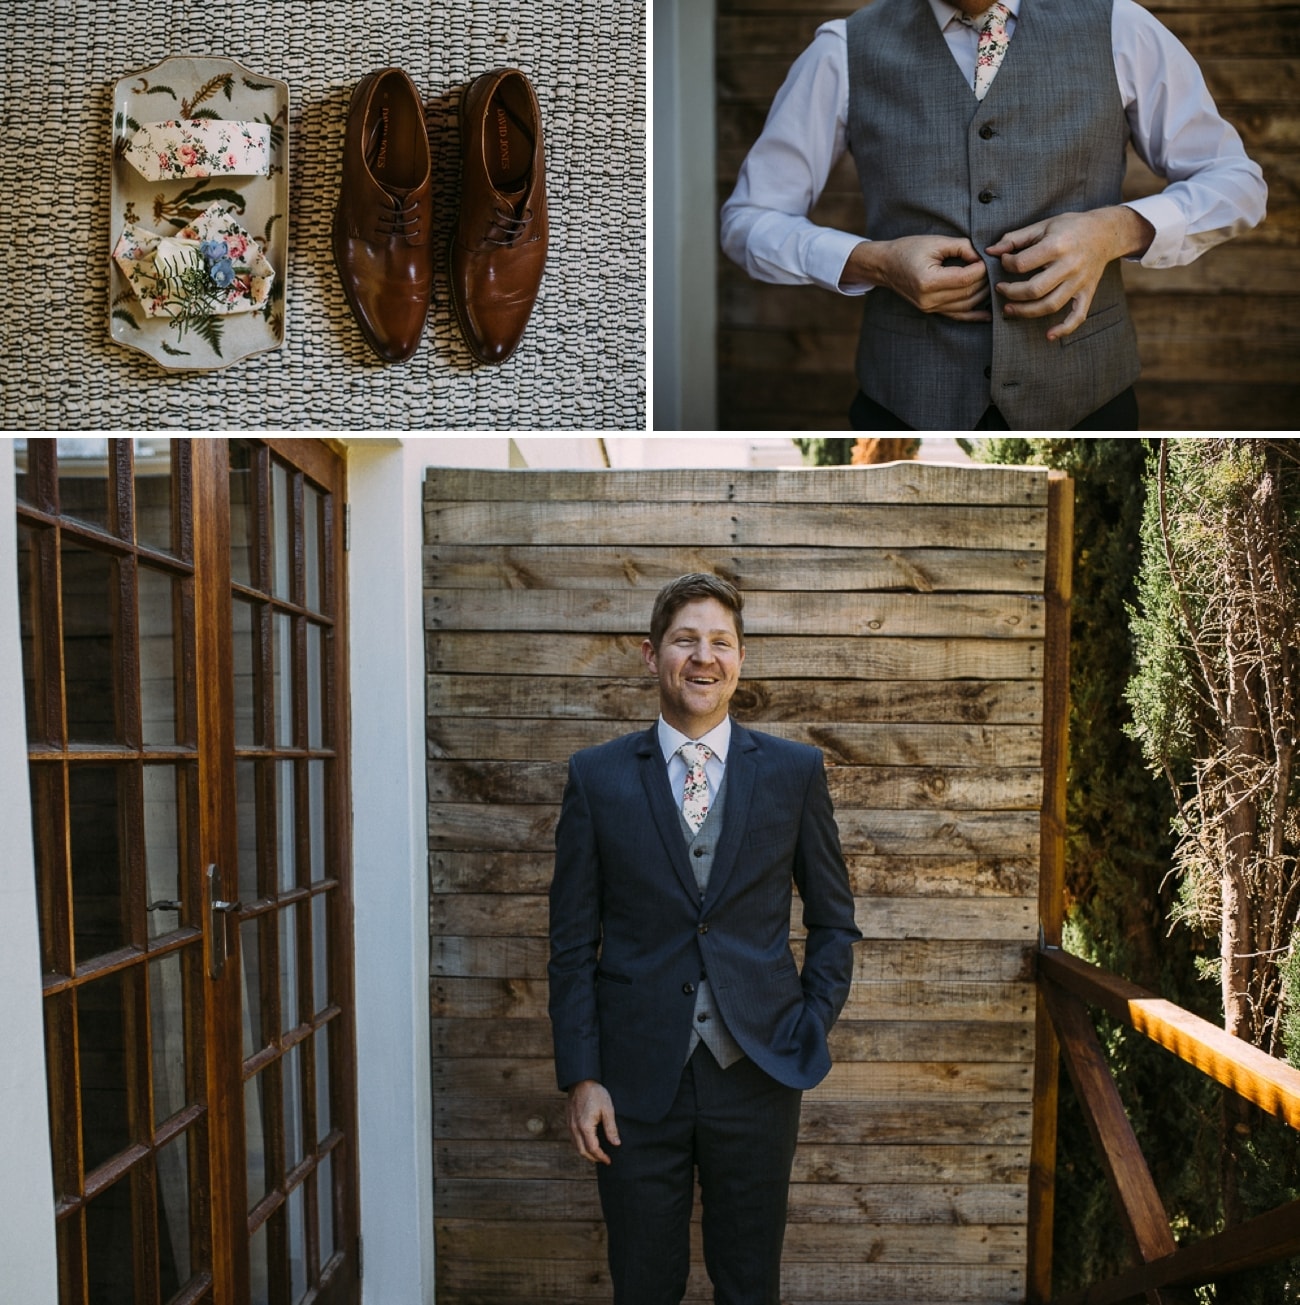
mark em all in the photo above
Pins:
pixel 218 910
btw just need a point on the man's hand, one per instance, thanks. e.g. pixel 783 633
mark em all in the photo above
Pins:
pixel 1068 253
pixel 917 268
pixel 590 1107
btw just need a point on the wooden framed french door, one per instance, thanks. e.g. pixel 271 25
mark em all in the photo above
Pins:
pixel 183 624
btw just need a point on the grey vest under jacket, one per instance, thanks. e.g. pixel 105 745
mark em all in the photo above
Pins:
pixel 1049 137
pixel 707 1024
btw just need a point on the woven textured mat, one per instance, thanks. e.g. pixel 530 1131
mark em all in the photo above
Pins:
pixel 582 362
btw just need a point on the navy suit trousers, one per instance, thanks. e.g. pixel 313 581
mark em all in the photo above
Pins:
pixel 738 1127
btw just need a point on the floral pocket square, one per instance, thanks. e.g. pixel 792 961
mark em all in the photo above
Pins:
pixel 212 267
pixel 200 147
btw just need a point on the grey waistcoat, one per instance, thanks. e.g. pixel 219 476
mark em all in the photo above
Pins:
pixel 706 1024
pixel 1048 138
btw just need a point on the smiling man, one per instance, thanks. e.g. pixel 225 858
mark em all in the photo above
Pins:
pixel 685 1031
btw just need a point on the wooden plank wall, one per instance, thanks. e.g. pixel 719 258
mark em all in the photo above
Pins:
pixel 895 619
pixel 1219 340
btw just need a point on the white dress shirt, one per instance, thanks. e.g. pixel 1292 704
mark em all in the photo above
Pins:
pixel 717 740
pixel 1214 192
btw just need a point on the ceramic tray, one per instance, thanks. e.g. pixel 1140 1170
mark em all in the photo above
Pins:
pixel 182 87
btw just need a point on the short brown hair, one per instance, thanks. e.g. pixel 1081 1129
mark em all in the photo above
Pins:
pixel 686 589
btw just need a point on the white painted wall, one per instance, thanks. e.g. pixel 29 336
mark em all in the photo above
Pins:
pixel 28 1266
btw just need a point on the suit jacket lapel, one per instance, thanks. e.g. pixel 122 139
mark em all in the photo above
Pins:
pixel 741 771
pixel 663 809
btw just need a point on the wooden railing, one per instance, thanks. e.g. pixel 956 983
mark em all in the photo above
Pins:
pixel 1165 1271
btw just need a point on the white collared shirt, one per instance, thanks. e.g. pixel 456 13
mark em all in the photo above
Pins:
pixel 1214 192
pixel 717 740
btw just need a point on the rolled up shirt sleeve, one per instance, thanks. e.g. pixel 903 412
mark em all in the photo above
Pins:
pixel 1215 191
pixel 765 224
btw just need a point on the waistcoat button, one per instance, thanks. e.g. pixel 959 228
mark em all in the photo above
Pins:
pixel 986 132
pixel 987 197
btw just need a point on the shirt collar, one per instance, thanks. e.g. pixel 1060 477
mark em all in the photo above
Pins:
pixel 944 13
pixel 718 739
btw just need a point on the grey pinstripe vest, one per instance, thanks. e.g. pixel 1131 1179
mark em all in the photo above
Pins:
pixel 1048 138
pixel 707 1025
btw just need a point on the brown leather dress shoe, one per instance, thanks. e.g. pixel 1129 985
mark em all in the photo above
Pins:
pixel 498 247
pixel 384 219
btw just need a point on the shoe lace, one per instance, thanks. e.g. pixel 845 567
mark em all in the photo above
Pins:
pixel 403 219
pixel 507 225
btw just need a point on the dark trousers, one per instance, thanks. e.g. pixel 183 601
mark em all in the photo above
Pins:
pixel 738 1126
pixel 1121 413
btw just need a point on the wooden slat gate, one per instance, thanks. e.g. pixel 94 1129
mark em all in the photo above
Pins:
pixel 896 618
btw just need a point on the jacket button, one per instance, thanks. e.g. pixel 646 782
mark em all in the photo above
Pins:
pixel 986 197
pixel 688 988
pixel 704 928
pixel 986 132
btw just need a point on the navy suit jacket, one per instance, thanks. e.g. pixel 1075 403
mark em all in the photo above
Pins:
pixel 631 935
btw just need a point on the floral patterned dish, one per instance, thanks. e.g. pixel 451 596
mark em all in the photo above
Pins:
pixel 185 87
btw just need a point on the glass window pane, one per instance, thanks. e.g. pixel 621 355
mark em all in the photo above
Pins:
pixel 320 951
pixel 102 1059
pixel 27 609
pixel 297 1246
pixel 312 525
pixel 293 1130
pixel 173 1171
pixel 258 1270
pixel 49 848
pixel 21 465
pixel 158 658
pixel 256 1135
pixel 248 721
pixel 83 480
pixel 323 1118
pixel 90 604
pixel 287 874
pixel 167 1027
pixel 325 1208
pixel 99 900
pixel 246 826
pixel 281 534
pixel 110 1245
pixel 315 688
pixel 282 678
pixel 316 819
pixel 288 969
pixel 250 944
pixel 153 494
pixel 243 513
pixel 162 848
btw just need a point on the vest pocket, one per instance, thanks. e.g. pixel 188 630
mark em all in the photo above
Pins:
pixel 1102 320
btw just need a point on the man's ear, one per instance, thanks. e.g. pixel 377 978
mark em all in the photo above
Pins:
pixel 648 656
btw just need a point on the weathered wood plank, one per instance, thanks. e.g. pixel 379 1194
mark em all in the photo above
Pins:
pixel 911 483
pixel 722 523
pixel 894 788
pixel 879 1201
pixel 475 825
pixel 850 1081
pixel 766 656
pixel 861 1123
pixel 914 616
pixel 493 871
pixel 497 1281
pixel 997 960
pixel 524 697
pixel 645 569
pixel 551 1239
pixel 916 999
pixel 851 743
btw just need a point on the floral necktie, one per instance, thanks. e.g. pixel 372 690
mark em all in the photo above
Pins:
pixel 992 47
pixel 695 795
